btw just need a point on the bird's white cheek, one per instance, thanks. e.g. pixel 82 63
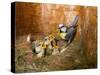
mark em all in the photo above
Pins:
pixel 63 29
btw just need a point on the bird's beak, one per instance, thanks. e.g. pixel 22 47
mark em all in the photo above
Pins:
pixel 58 28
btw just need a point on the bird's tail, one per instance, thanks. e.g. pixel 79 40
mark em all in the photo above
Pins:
pixel 73 24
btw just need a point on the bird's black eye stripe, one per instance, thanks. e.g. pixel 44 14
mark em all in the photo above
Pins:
pixel 62 26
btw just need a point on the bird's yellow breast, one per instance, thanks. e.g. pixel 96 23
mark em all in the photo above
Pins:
pixel 63 35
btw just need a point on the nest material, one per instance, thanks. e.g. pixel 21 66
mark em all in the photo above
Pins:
pixel 71 58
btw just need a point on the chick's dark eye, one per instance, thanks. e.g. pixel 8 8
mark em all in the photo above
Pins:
pixel 45 39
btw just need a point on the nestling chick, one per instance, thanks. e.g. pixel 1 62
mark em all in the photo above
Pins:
pixel 51 44
pixel 55 50
pixel 39 48
pixel 44 46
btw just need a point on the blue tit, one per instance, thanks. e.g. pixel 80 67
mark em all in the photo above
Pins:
pixel 38 48
pixel 55 47
pixel 68 33
pixel 36 45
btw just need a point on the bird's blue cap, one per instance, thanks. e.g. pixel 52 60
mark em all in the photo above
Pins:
pixel 61 25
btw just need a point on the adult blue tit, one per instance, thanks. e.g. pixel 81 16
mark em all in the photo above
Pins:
pixel 68 33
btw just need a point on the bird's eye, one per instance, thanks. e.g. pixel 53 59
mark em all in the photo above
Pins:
pixel 45 39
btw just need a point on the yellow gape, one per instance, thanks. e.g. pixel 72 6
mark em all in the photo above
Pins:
pixel 43 45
